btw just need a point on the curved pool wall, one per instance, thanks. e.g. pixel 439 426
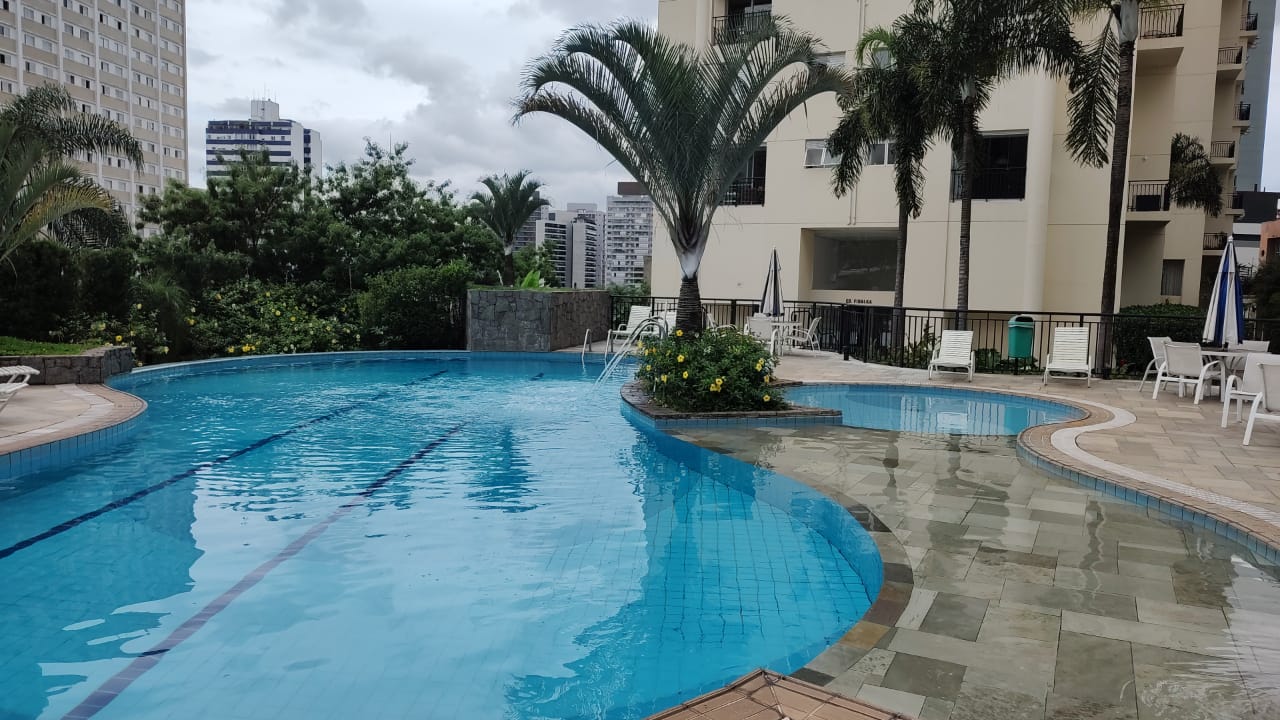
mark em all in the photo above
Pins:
pixel 934 410
pixel 133 613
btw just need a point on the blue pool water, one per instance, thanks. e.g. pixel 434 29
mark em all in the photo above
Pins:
pixel 933 410
pixel 447 538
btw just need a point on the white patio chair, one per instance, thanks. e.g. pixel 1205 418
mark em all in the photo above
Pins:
pixel 1070 354
pixel 1157 358
pixel 1185 365
pixel 954 354
pixel 1253 346
pixel 668 318
pixel 804 337
pixel 1264 408
pixel 637 315
pixel 761 327
pixel 1246 387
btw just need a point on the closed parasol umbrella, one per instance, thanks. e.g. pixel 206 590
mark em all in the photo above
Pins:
pixel 771 301
pixel 1225 319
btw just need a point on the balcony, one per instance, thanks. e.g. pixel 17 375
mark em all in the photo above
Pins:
pixel 1162 22
pixel 994 184
pixel 1230 62
pixel 1149 201
pixel 1215 241
pixel 728 29
pixel 1243 115
pixel 1233 203
pixel 745 191
pixel 1222 152
pixel 1249 24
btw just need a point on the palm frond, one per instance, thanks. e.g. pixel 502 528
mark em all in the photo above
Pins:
pixel 1092 105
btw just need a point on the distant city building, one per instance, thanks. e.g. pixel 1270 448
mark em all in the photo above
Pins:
pixel 628 235
pixel 1260 208
pixel 576 243
pixel 285 141
pixel 1261 17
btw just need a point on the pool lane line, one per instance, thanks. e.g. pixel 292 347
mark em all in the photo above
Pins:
pixel 144 661
pixel 136 496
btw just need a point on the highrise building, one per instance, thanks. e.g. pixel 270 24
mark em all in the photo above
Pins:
pixel 123 60
pixel 628 234
pixel 1259 18
pixel 1039 219
pixel 575 235
pixel 285 141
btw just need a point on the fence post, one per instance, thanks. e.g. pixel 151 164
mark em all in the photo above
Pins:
pixel 844 331
pixel 733 313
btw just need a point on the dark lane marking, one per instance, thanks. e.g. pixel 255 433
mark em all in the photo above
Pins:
pixel 119 682
pixel 538 376
pixel 128 499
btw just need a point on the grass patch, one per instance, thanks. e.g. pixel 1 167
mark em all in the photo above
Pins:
pixel 14 346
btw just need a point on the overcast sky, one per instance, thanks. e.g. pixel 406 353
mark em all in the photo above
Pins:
pixel 437 74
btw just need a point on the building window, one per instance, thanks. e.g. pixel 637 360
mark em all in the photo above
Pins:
pixel 882 153
pixel 1001 172
pixel 835 59
pixel 748 187
pixel 864 262
pixel 1171 277
pixel 816 154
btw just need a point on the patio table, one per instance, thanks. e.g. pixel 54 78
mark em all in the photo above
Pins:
pixel 1227 367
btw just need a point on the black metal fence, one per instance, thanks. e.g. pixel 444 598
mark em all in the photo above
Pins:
pixel 1215 241
pixel 1149 196
pixel 870 333
pixel 1244 111
pixel 1008 183
pixel 1249 23
pixel 749 191
pixel 1161 22
pixel 1230 55
pixel 728 29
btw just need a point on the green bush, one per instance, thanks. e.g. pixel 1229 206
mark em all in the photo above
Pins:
pixel 37 290
pixel 106 276
pixel 716 371
pixel 417 307
pixel 141 331
pixel 251 317
pixel 1135 323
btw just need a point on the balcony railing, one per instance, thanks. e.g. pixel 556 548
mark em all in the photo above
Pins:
pixel 1249 23
pixel 994 184
pixel 1148 196
pixel 1163 22
pixel 728 29
pixel 1244 111
pixel 748 191
pixel 1215 241
pixel 1222 149
pixel 1230 55
pixel 1235 200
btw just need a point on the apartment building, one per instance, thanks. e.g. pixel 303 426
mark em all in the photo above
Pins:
pixel 1039 219
pixel 285 141
pixel 575 234
pixel 628 235
pixel 123 59
pixel 1260 16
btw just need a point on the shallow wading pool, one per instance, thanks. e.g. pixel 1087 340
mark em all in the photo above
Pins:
pixel 447 536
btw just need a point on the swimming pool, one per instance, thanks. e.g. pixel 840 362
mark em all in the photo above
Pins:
pixel 933 410
pixel 444 537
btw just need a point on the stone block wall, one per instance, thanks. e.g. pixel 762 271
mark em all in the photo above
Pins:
pixel 514 320
pixel 92 367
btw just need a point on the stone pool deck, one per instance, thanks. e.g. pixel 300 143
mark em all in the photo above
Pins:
pixel 42 414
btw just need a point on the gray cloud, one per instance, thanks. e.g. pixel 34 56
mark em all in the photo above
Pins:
pixel 338 12
pixel 576 11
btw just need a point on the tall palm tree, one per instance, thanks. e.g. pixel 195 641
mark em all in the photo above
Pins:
pixel 505 209
pixel 1103 90
pixel 42 191
pixel 683 122
pixel 965 48
pixel 1193 180
pixel 884 102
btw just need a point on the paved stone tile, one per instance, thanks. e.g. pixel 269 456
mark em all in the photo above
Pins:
pixel 836 659
pixel 1217 644
pixel 957 616
pixel 917 607
pixel 938 563
pixel 1014 622
pixel 1189 696
pixel 985 703
pixel 1114 584
pixel 1191 617
pixel 1024 660
pixel 924 676
pixel 1094 668
pixel 890 699
pixel 1078 600
pixel 875 663
pixel 1063 707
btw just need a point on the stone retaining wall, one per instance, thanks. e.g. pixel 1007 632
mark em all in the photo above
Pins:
pixel 92 367
pixel 514 320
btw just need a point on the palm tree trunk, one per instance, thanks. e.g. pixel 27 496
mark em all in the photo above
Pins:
pixel 968 159
pixel 509 265
pixel 1116 201
pixel 689 306
pixel 900 277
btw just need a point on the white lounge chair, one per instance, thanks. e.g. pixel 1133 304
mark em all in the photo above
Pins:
pixel 12 379
pixel 1264 408
pixel 669 319
pixel 1185 365
pixel 954 354
pixel 1240 389
pixel 761 328
pixel 637 315
pixel 1070 354
pixel 804 337
pixel 1157 358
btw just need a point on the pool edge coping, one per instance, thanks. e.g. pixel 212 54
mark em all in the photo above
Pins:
pixel 64 442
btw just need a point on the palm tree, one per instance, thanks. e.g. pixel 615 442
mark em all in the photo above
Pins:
pixel 884 103
pixel 511 200
pixel 683 122
pixel 1193 180
pixel 963 49
pixel 42 191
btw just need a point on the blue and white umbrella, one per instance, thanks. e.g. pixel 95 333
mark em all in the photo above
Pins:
pixel 771 301
pixel 1225 319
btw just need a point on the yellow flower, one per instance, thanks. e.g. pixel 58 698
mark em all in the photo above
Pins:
pixel 268 294
pixel 231 348
pixel 714 387
pixel 664 378
pixel 648 367
pixel 640 344
pixel 217 296
pixel 679 333
pixel 246 348
pixel 293 318
pixel 119 338
pixel 766 398
pixel 679 358
pixel 685 375
pixel 164 350
pixel 191 321
pixel 138 306
pixel 766 378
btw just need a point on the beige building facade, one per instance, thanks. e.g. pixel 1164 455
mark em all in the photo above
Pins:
pixel 1039 219
pixel 123 59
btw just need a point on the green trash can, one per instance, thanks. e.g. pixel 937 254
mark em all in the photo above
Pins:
pixel 1022 335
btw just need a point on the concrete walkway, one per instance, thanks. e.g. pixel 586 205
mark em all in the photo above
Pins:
pixel 42 414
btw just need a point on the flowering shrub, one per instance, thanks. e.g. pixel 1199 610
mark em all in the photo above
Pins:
pixel 715 371
pixel 251 318
pixel 140 331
